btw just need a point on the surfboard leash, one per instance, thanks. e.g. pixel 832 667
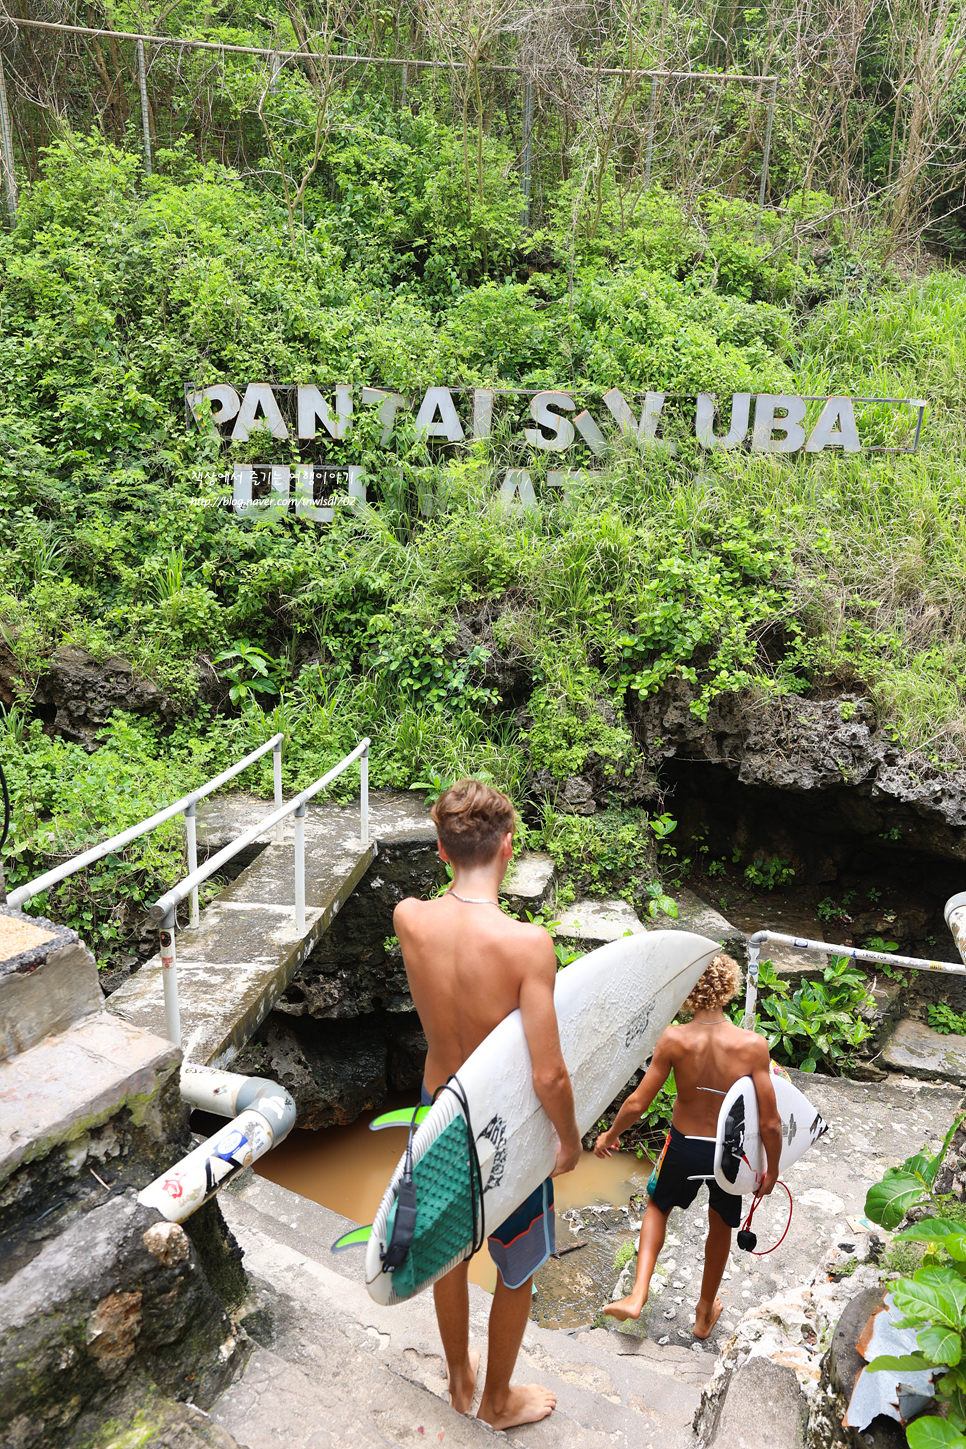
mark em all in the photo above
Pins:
pixel 750 1243
pixel 404 1226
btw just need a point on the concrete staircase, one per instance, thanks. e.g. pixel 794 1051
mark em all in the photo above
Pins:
pixel 66 1067
pixel 332 1367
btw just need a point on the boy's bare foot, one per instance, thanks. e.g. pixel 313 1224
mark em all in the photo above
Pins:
pixel 625 1308
pixel 461 1397
pixel 705 1319
pixel 525 1404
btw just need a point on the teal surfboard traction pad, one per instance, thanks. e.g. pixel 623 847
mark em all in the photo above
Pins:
pixel 449 1211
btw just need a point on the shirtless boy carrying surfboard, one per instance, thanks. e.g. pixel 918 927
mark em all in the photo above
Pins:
pixel 707 1054
pixel 469 966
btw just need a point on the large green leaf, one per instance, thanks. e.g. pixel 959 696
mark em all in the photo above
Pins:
pixel 888 1201
pixel 930 1230
pixel 907 1363
pixel 931 1294
pixel 933 1433
pixel 923 1164
pixel 942 1345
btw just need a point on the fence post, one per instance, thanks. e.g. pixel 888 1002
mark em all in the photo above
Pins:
pixel 191 834
pixel 651 128
pixel 767 151
pixel 145 122
pixel 364 796
pixel 300 867
pixel 169 975
pixel 6 151
pixel 404 86
pixel 527 158
pixel 277 772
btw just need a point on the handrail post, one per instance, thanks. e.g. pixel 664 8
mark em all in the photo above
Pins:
pixel 956 921
pixel 191 833
pixel 300 867
pixel 169 975
pixel 751 988
pixel 364 796
pixel 277 772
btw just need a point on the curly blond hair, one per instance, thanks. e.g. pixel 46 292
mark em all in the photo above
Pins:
pixel 720 983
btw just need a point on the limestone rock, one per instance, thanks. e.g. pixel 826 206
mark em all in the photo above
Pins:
pixel 918 1051
pixel 761 1408
pixel 93 1305
pixel 847 777
pixel 594 923
pixel 84 692
pixel 529 882
pixel 696 915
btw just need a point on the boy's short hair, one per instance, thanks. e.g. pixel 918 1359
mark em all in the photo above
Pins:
pixel 471 819
pixel 720 983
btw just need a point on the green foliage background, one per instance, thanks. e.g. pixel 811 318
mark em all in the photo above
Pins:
pixel 730 571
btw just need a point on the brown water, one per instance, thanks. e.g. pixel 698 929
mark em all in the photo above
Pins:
pixel 347 1169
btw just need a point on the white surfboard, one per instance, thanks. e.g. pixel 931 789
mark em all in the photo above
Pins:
pixel 739 1157
pixel 612 1005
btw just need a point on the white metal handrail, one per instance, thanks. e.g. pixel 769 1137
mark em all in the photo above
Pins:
pixel 854 953
pixel 186 806
pixel 165 907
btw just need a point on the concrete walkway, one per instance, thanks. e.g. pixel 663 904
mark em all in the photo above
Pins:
pixel 332 1367
pixel 233 967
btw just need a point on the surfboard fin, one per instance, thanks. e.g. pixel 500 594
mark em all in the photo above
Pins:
pixel 356 1239
pixel 401 1118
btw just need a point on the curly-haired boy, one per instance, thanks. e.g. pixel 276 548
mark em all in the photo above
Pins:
pixel 707 1055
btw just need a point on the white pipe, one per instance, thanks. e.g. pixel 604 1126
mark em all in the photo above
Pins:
pixel 181 1190
pixel 751 985
pixel 169 976
pixel 264 1115
pixel 209 1089
pixel 77 862
pixel 177 893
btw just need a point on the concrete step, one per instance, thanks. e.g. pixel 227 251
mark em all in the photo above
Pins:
pixel 48 981
pixel 918 1051
pixel 237 962
pixel 75 1081
pixel 384 1366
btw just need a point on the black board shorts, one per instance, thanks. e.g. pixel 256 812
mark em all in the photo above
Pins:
pixel 681 1168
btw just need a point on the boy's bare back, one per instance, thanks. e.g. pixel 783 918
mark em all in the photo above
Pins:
pixel 469 966
pixel 707 1058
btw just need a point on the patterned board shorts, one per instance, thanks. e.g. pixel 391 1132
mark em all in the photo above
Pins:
pixel 525 1240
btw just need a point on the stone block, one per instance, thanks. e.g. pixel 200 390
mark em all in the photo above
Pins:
pixel 529 882
pixel 92 1307
pixel 918 1051
pixel 696 915
pixel 58 1090
pixel 48 981
pixel 762 1408
pixel 594 923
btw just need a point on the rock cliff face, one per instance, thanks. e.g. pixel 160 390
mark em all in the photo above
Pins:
pixel 76 695
pixel 823 767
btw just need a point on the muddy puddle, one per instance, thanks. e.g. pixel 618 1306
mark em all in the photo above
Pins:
pixel 347 1169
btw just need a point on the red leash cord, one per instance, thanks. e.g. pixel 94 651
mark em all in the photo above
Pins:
pixel 755 1202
